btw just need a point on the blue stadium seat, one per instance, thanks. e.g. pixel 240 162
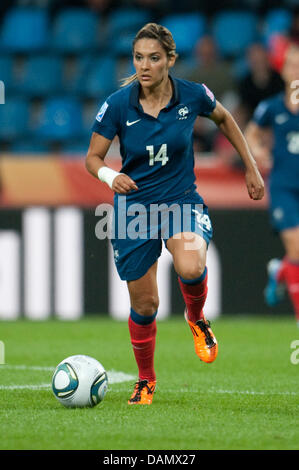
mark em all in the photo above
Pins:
pixel 186 29
pixel 79 69
pixel 234 32
pixel 14 119
pixel 61 119
pixel 276 21
pixel 7 73
pixel 42 76
pixel 123 45
pixel 100 78
pixel 123 24
pixel 124 20
pixel 25 29
pixel 75 30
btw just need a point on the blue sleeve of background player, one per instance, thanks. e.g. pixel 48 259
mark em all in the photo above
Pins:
pixel 205 99
pixel 262 115
pixel 107 119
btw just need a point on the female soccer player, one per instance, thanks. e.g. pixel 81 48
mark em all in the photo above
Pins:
pixel 153 115
pixel 280 115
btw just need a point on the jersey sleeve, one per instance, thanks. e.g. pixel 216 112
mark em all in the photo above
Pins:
pixel 107 119
pixel 205 99
pixel 262 114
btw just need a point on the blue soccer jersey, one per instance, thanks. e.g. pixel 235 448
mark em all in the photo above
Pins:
pixel 157 153
pixel 273 113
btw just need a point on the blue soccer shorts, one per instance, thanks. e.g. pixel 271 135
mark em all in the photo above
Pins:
pixel 138 230
pixel 284 208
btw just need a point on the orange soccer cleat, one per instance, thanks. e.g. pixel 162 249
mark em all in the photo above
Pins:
pixel 205 343
pixel 143 393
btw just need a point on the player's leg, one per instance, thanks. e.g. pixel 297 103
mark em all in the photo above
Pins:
pixel 189 258
pixel 275 289
pixel 189 252
pixel 284 274
pixel 142 327
pixel 289 271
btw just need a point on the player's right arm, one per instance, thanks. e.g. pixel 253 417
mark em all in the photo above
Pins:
pixel 258 139
pixel 94 162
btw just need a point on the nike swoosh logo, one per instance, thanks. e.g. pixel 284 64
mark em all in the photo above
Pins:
pixel 133 122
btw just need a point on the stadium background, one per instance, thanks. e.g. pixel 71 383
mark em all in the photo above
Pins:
pixel 58 62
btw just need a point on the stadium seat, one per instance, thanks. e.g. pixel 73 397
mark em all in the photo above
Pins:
pixel 25 29
pixel 186 29
pixel 100 78
pixel 75 30
pixel 123 46
pixel 124 20
pixel 276 21
pixel 42 76
pixel 234 31
pixel 77 71
pixel 61 118
pixel 14 119
pixel 123 24
pixel 7 73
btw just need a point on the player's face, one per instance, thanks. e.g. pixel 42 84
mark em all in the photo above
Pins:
pixel 151 62
pixel 290 71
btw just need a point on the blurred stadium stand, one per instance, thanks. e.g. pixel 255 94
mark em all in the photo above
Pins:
pixel 75 31
pixel 60 59
pixel 18 26
pixel 14 119
pixel 42 76
pixel 234 32
pixel 186 29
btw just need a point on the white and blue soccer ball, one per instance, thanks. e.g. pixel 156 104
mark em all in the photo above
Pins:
pixel 79 381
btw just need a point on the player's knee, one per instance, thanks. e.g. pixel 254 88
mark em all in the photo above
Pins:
pixel 191 271
pixel 146 304
pixel 292 252
pixel 293 255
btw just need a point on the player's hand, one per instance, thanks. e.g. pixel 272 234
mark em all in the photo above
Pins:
pixel 123 184
pixel 255 184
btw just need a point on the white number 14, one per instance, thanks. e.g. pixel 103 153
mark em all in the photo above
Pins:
pixel 161 156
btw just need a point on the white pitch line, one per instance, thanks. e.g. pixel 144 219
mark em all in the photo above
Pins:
pixel 26 387
pixel 114 377
pixel 25 367
pixel 231 392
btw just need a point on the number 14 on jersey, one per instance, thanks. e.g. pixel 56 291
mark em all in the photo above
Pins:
pixel 161 156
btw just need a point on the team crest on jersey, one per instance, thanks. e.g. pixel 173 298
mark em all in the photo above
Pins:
pixel 182 112
pixel 102 111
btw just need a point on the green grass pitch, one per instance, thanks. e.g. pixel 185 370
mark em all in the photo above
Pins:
pixel 247 399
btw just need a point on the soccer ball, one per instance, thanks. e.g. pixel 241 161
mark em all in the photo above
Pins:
pixel 79 381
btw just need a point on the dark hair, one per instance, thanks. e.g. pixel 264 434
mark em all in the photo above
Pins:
pixel 162 35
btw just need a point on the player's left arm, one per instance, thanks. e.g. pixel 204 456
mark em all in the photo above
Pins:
pixel 228 126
